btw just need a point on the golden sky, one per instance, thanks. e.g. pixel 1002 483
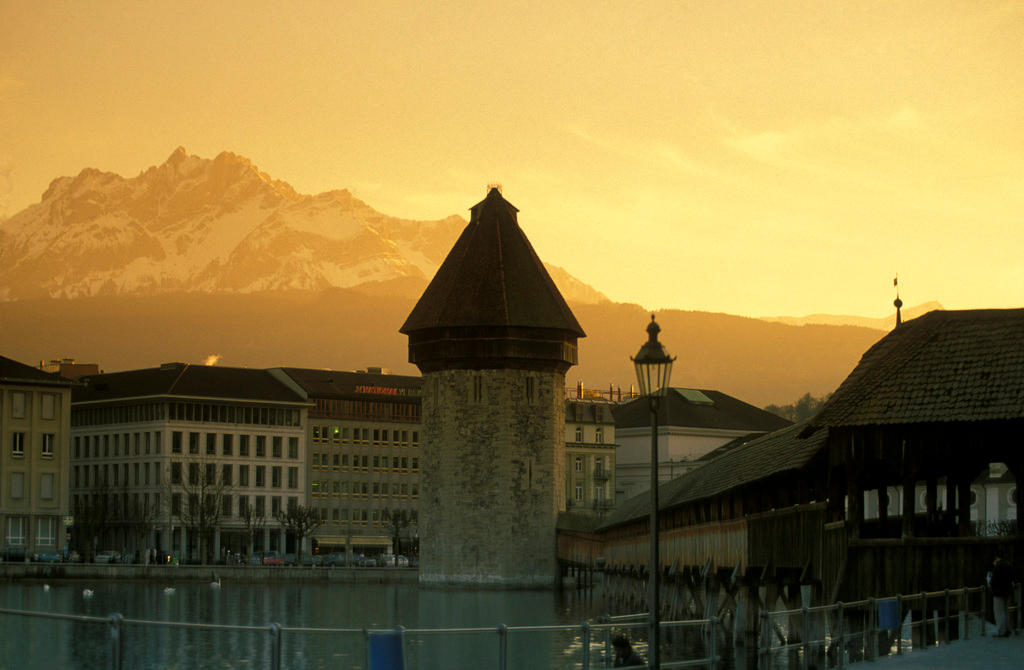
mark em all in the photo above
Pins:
pixel 757 158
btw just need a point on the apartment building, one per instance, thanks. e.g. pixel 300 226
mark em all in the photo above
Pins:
pixel 589 455
pixel 186 459
pixel 35 411
pixel 363 467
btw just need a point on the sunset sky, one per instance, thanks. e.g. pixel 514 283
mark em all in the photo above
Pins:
pixel 756 158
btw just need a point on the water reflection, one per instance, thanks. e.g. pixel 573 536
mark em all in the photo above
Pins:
pixel 38 643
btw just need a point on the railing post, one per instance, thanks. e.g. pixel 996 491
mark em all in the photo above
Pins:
pixel 502 646
pixel 947 615
pixel 275 646
pixel 871 631
pixel 804 645
pixel 924 621
pixel 965 615
pixel 114 633
pixel 841 635
pixel 984 609
pixel 713 626
pixel 899 625
pixel 585 635
pixel 764 642
pixel 1016 598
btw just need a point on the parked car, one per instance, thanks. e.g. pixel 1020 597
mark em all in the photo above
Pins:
pixel 335 559
pixel 47 557
pixel 108 556
pixel 367 562
pixel 402 561
pixel 272 558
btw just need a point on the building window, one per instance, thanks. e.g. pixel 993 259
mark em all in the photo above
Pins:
pixel 478 388
pixel 176 504
pixel 293 446
pixel 261 446
pixel 46 532
pixel 275 476
pixel 530 388
pixel 599 434
pixel 17 444
pixel 599 465
pixel 193 443
pixel 275 505
pixel 277 440
pixel 211 444
pixel 176 442
pixel 225 474
pixel 579 433
pixel 578 464
pixel 48 440
pixel 293 503
pixel 18 402
pixel 578 494
pixel 261 475
pixel 598 494
pixel 243 503
pixel 193 474
pixel 48 406
pixel 175 473
pixel 226 505
pixel 261 506
pixel 227 444
pixel 15 535
pixel 243 445
pixel 293 478
pixel 17 485
pixel 243 475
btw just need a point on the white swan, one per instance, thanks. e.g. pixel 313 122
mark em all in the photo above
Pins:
pixel 215 584
pixel 88 593
pixel 46 587
pixel 169 590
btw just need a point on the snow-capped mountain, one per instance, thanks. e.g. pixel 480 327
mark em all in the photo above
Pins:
pixel 221 225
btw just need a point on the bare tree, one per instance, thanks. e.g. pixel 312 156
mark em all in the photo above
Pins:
pixel 397 520
pixel 300 521
pixel 139 518
pixel 197 491
pixel 253 524
pixel 94 511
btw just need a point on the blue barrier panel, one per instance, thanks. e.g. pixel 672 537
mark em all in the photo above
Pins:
pixel 887 614
pixel 385 650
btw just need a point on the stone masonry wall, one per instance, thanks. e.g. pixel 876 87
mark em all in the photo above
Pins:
pixel 492 478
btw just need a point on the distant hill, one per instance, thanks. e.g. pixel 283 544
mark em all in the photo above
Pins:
pixel 883 323
pixel 757 361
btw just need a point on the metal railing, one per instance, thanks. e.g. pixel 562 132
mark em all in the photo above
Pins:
pixel 586 646
pixel 833 636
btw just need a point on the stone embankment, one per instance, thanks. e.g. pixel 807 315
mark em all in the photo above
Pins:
pixel 206 573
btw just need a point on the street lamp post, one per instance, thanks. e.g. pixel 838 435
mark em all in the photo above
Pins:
pixel 653 371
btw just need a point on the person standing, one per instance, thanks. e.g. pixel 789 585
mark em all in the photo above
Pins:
pixel 1002 591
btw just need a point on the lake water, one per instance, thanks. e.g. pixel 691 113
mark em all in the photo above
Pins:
pixel 33 643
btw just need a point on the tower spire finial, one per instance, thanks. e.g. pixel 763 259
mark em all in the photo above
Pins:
pixel 897 302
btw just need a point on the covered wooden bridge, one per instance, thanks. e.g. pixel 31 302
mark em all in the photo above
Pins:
pixel 921 417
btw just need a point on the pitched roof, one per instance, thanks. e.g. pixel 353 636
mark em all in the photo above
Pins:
pixel 182 379
pixel 941 367
pixel 13 372
pixel 765 456
pixel 492 277
pixel 344 384
pixel 703 408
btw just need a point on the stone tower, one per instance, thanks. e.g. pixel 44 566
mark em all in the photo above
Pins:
pixel 493 338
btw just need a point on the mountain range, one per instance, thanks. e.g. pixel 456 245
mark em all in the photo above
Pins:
pixel 212 257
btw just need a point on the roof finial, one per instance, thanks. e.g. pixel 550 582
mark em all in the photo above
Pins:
pixel 897 302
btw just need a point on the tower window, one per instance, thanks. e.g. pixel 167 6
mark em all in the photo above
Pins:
pixel 530 389
pixel 478 388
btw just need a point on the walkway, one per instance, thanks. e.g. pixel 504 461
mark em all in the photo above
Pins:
pixel 988 653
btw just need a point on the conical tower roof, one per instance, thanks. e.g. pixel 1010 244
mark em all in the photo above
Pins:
pixel 492 303
pixel 492 277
